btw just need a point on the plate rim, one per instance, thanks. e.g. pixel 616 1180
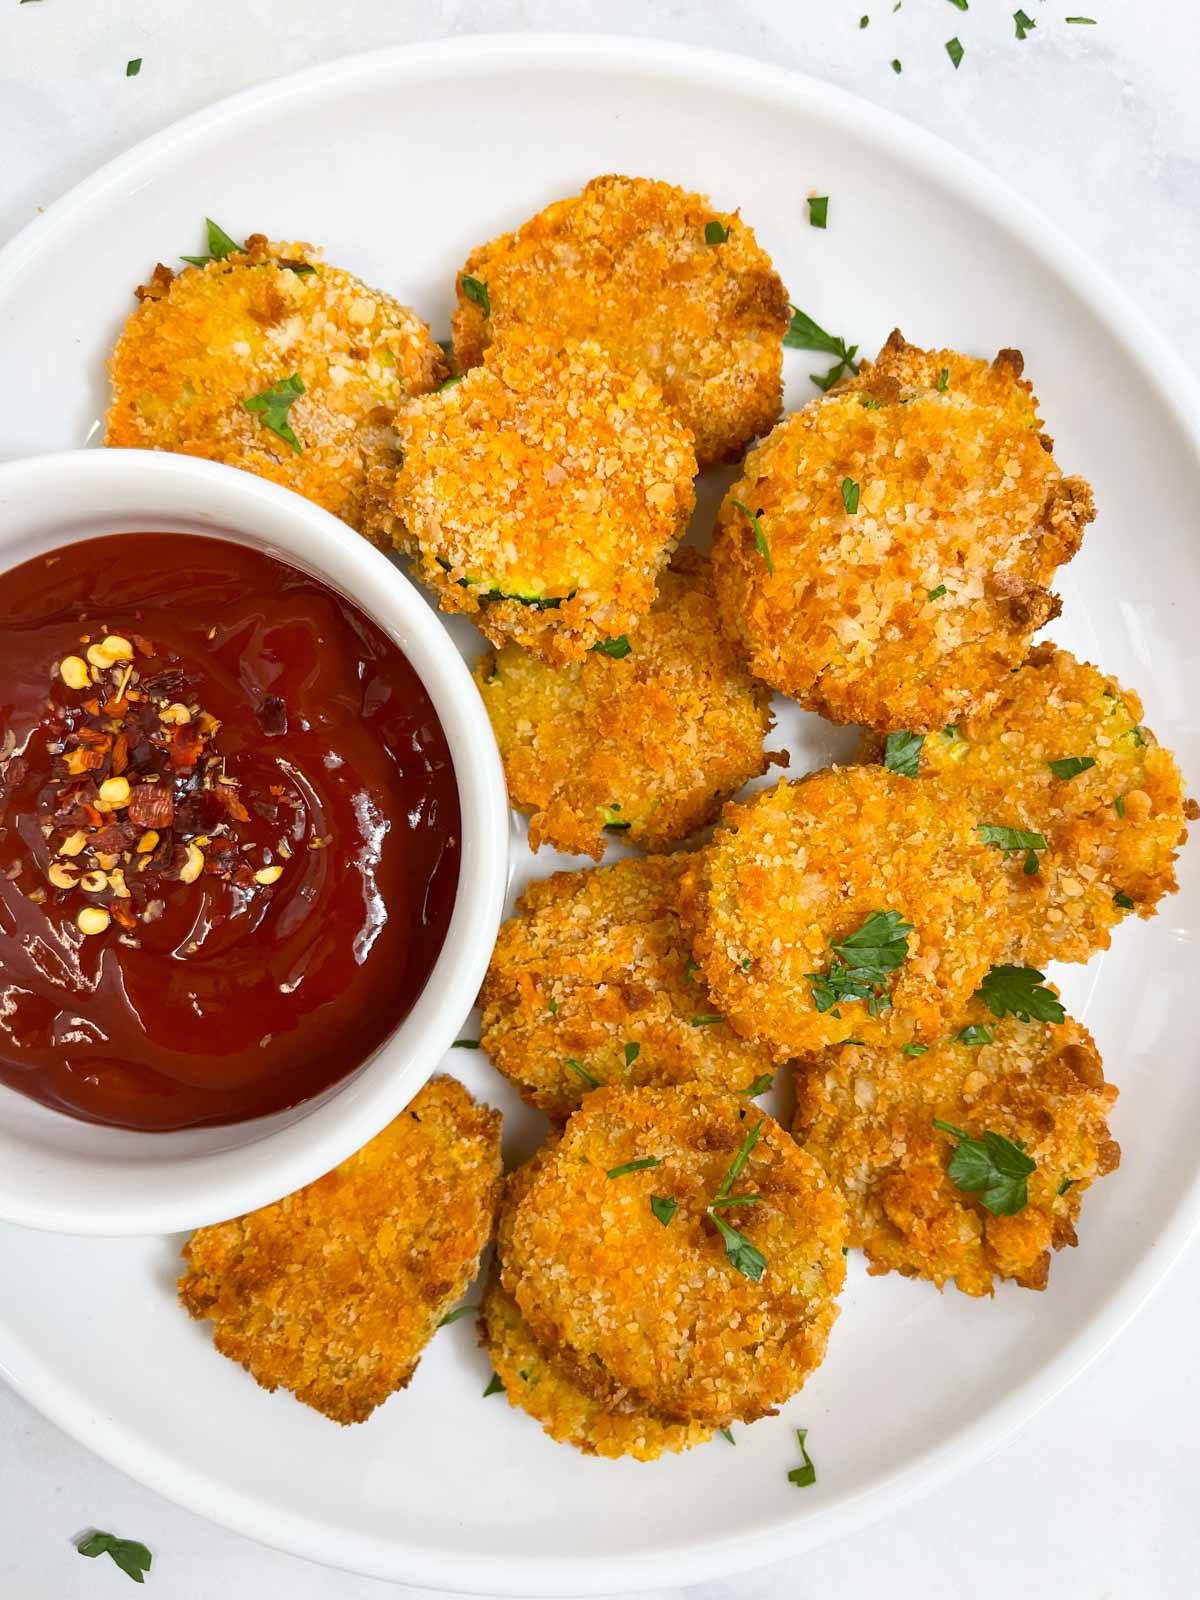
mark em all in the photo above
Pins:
pixel 1164 371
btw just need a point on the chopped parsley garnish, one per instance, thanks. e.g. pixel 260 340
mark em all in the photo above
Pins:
pixel 995 1168
pixel 612 822
pixel 582 1072
pixel 635 1166
pixel 804 334
pixel 1011 839
pixel 1138 735
pixel 553 1007
pixel 963 5
pixel 1119 805
pixel 1091 21
pixel 818 204
pixel 715 232
pixel 902 753
pixel 690 971
pixel 936 594
pixel 705 1020
pixel 806 1475
pixel 132 68
pixel 759 1086
pixel 273 405
pixel 220 245
pixel 974 1034
pixel 132 1558
pixel 863 21
pixel 632 1052
pixel 664 1208
pixel 850 496
pixel 865 958
pixel 1068 767
pixel 943 381
pixel 896 67
pixel 727 1435
pixel 451 382
pixel 760 538
pixel 617 648
pixel 1023 22
pixel 456 1315
pixel 466 1044
pixel 1064 1185
pixel 494 1387
pixel 1122 899
pixel 1019 992
pixel 476 292
pixel 913 1049
pixel 1031 867
pixel 742 1254
pixel 955 51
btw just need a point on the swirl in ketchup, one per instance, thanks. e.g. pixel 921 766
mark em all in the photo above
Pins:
pixel 229 832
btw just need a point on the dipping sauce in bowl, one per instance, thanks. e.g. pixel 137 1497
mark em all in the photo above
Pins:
pixel 229 832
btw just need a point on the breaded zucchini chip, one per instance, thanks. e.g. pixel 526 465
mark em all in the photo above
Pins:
pixel 592 982
pixel 334 1291
pixel 272 361
pixel 645 737
pixel 534 1382
pixel 1085 806
pixel 625 1266
pixel 544 493
pixel 930 1204
pixel 852 904
pixel 887 552
pixel 658 278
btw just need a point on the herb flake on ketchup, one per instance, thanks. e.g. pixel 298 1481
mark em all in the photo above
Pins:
pixel 229 832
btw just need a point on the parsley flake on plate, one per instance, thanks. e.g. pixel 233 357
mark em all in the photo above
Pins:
pixel 132 68
pixel 943 381
pixel 466 1044
pixel 804 334
pixel 727 1435
pixel 613 823
pixel 494 1387
pixel 1068 767
pixel 582 1072
pixel 1023 22
pixel 715 232
pixel 850 496
pixel 220 245
pixel 664 1208
pixel 896 67
pixel 476 292
pixel 913 1049
pixel 1011 840
pixel 743 1255
pixel 632 1052
pixel 818 210
pixel 273 406
pixel 617 648
pixel 865 959
pixel 132 1558
pixel 1019 992
pixel 902 752
pixel 456 1315
pixel 994 1167
pixel 803 1476
pixel 955 51
pixel 760 538
pixel 759 1086
pixel 707 1019
pixel 1122 899
pixel 643 1165
pixel 974 1034
pixel 936 594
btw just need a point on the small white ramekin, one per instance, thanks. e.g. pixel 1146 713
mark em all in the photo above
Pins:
pixel 60 1173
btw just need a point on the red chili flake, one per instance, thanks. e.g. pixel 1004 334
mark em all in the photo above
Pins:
pixel 151 805
pixel 186 747
pixel 226 797
pixel 120 754
pixel 121 913
pixel 112 838
pixel 94 737
pixel 141 644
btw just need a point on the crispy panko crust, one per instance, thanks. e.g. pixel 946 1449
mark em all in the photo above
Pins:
pixel 1110 832
pixel 533 1381
pixel 334 1292
pixel 631 1308
pixel 651 744
pixel 799 866
pixel 627 263
pixel 544 493
pixel 593 964
pixel 209 338
pixel 956 488
pixel 867 1115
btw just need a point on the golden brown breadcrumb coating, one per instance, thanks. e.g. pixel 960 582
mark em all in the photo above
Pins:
pixel 649 745
pixel 660 1313
pixel 543 493
pixel 867 1115
pixel 1111 831
pixel 629 263
pixel 895 540
pixel 205 340
pixel 334 1291
pixel 800 867
pixel 533 1381
pixel 594 969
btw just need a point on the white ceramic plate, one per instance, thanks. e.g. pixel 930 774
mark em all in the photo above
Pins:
pixel 397 163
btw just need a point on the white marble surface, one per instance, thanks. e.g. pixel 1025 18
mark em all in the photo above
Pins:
pixel 1100 126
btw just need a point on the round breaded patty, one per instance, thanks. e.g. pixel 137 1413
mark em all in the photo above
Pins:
pixel 804 883
pixel 334 1291
pixel 648 1300
pixel 206 341
pixel 1110 829
pixel 533 1381
pixel 544 493
pixel 867 1115
pixel 592 982
pixel 645 741
pixel 658 278
pixel 887 552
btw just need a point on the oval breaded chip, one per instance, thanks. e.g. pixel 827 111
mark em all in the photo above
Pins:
pixel 887 553
pixel 648 1302
pixel 592 982
pixel 867 1115
pixel 659 279
pixel 648 743
pixel 1063 756
pixel 334 1291
pixel 800 883
pixel 207 340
